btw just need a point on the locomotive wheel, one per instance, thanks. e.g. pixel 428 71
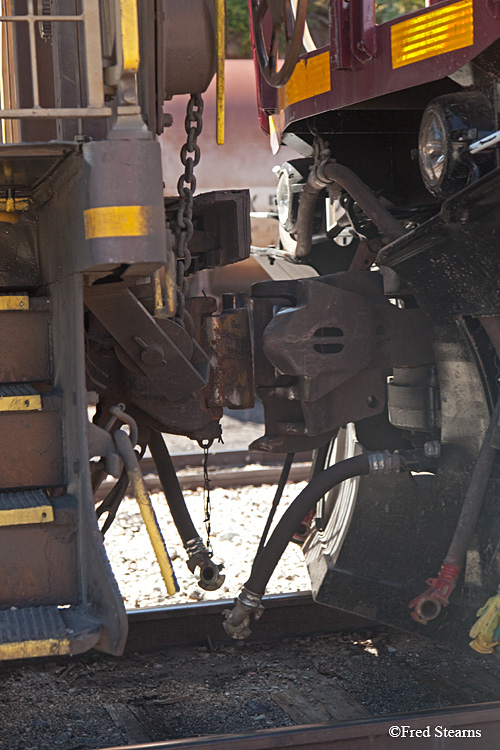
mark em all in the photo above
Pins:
pixel 281 15
pixel 377 540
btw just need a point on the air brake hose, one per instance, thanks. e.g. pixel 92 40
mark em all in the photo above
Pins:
pixel 171 487
pixel 322 176
pixel 198 555
pixel 237 619
pixel 428 605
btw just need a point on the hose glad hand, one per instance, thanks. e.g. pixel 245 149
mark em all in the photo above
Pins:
pixel 237 619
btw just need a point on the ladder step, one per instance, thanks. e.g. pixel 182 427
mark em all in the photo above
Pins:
pixel 22 507
pixel 19 398
pixel 46 631
pixel 14 302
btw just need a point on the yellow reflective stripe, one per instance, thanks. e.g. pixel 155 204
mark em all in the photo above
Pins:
pixel 120 221
pixel 432 33
pixel 21 403
pixel 130 35
pixel 32 649
pixel 15 302
pixel 21 516
pixel 310 77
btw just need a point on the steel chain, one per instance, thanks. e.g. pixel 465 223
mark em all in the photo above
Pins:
pixel 205 445
pixel 186 187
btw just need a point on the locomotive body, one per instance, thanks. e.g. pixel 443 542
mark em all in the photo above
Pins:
pixel 383 362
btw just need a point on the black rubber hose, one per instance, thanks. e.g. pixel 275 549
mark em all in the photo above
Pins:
pixel 269 557
pixel 474 496
pixel 172 488
pixel 276 501
pixel 331 173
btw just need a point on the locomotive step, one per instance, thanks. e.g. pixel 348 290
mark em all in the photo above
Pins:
pixel 25 339
pixel 19 398
pixel 46 631
pixel 31 445
pixel 14 302
pixel 22 507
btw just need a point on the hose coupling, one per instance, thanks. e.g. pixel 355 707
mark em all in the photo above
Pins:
pixel 317 176
pixel 237 619
pixel 384 462
pixel 211 577
pixel 427 606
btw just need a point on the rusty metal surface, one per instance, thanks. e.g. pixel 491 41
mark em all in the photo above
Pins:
pixel 230 355
pixel 483 721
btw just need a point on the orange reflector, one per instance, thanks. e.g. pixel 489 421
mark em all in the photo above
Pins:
pixel 432 33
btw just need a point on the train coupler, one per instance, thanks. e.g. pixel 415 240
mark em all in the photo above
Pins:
pixel 237 619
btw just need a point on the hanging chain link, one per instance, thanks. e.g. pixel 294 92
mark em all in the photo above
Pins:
pixel 205 444
pixel 186 187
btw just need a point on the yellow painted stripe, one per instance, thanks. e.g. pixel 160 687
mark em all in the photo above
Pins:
pixel 15 302
pixel 130 35
pixel 119 221
pixel 20 403
pixel 21 516
pixel 432 33
pixel 32 649
pixel 310 77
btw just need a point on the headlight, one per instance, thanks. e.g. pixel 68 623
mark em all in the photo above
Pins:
pixel 283 199
pixel 449 124
pixel 433 148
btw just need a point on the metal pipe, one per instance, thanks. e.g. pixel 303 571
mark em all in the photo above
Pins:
pixel 129 457
pixel 322 176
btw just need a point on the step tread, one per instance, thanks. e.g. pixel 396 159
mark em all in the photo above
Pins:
pixel 23 499
pixel 22 389
pixel 46 631
pixel 25 506
pixel 19 398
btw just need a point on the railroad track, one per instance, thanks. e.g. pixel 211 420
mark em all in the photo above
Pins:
pixel 297 616
pixel 468 727
pixel 226 469
pixel 288 616
pixel 200 624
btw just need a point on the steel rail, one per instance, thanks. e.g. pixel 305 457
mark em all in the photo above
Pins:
pixel 226 470
pixel 481 722
pixel 200 623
